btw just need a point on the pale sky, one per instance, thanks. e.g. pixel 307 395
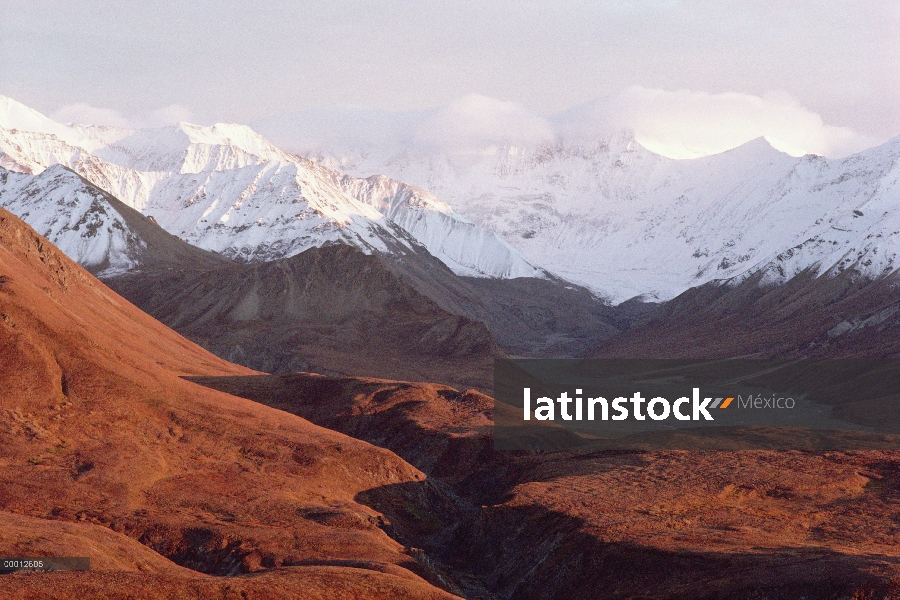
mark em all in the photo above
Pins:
pixel 831 68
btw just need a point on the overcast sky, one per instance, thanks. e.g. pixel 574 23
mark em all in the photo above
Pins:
pixel 833 66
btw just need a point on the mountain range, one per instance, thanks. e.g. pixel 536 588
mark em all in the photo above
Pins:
pixel 184 475
pixel 606 213
pixel 225 188
pixel 153 255
pixel 266 486
pixel 555 237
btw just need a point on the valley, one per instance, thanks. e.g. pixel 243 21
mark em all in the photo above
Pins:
pixel 234 371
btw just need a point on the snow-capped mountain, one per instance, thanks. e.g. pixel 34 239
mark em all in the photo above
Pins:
pixel 226 188
pixel 611 215
pixel 604 212
pixel 75 215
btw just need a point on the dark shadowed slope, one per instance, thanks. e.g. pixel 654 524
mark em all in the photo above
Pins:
pixel 528 316
pixel 335 310
pixel 331 309
pixel 103 445
pixel 825 317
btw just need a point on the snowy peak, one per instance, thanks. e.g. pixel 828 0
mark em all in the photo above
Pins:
pixel 390 196
pixel 463 246
pixel 93 228
pixel 874 162
pixel 228 189
pixel 606 212
pixel 613 141
pixel 262 212
pixel 755 154
pixel 76 216
pixel 17 116
pixel 228 134
pixel 186 148
pixel 97 136
pixel 32 152
pixel 757 150
pixel 179 148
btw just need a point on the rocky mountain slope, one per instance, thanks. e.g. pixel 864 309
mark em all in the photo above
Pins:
pixel 107 451
pixel 331 310
pixel 843 316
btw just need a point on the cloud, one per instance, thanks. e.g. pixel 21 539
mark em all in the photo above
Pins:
pixel 471 124
pixel 677 124
pixel 475 122
pixel 340 129
pixel 169 115
pixel 689 124
pixel 86 114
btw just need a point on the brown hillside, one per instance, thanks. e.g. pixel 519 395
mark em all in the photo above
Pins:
pixel 102 444
pixel 442 431
pixel 748 525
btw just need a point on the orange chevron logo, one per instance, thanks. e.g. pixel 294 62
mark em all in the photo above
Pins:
pixel 716 403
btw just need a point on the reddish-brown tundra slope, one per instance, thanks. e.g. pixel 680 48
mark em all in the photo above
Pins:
pixel 174 490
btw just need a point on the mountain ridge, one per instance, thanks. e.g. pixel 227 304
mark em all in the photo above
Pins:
pixel 227 189
pixel 607 213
